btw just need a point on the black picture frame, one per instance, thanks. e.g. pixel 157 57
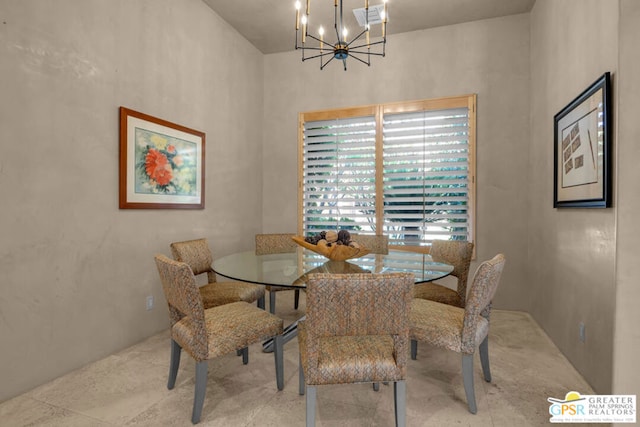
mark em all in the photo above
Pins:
pixel 582 149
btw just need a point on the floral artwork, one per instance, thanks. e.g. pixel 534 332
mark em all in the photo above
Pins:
pixel 164 164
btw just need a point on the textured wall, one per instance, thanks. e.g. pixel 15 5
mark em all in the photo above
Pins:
pixel 490 58
pixel 626 375
pixel 74 269
pixel 571 251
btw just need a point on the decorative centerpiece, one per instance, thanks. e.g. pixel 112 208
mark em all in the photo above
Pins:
pixel 337 246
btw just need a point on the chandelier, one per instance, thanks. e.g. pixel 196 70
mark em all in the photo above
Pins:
pixel 358 47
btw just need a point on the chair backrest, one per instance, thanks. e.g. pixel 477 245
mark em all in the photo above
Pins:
pixel 483 288
pixel 359 304
pixel 275 243
pixel 196 254
pixel 375 244
pixel 457 253
pixel 183 297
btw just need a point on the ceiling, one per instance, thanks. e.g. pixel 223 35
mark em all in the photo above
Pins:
pixel 270 24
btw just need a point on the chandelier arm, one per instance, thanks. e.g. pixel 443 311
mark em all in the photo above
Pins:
pixel 320 55
pixel 316 39
pixel 356 38
pixel 368 45
pixel 359 52
pixel 326 51
pixel 355 57
pixel 325 64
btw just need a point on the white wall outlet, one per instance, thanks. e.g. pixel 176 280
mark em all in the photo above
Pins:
pixel 150 302
pixel 581 332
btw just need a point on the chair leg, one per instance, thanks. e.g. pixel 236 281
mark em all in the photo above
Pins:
pixel 300 377
pixel 296 298
pixel 174 364
pixel 467 379
pixel 260 302
pixel 201 388
pixel 484 359
pixel 277 355
pixel 272 302
pixel 245 355
pixel 414 349
pixel 400 402
pixel 311 406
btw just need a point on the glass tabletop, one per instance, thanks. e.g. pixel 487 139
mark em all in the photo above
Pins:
pixel 291 269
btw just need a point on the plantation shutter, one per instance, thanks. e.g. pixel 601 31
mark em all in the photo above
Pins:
pixel 338 161
pixel 426 158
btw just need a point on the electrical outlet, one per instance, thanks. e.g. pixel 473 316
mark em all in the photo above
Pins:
pixel 150 302
pixel 581 332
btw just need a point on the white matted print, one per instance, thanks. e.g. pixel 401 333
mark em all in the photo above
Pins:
pixel 582 149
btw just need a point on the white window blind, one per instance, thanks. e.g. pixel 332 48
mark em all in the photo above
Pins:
pixel 405 170
pixel 339 174
pixel 426 176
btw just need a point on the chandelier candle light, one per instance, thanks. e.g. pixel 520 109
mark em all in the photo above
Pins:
pixel 359 47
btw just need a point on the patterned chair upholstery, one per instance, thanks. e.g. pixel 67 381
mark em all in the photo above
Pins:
pixel 208 333
pixel 356 330
pixel 198 256
pixel 376 244
pixel 277 244
pixel 454 252
pixel 457 329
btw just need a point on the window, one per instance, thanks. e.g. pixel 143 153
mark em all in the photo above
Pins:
pixel 405 170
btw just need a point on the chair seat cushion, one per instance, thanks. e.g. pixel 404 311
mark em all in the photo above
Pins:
pixel 219 293
pixel 441 325
pixel 435 292
pixel 229 327
pixel 349 359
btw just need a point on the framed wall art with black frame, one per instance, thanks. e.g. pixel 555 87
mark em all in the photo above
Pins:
pixel 161 163
pixel 582 149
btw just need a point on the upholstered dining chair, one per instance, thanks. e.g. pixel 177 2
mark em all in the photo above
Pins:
pixel 454 252
pixel 356 331
pixel 209 333
pixel 460 329
pixel 277 244
pixel 375 244
pixel 198 256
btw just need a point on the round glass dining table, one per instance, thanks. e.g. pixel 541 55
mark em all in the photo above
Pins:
pixel 292 269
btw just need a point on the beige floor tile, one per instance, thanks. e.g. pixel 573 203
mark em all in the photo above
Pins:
pixel 112 390
pixel 129 387
pixel 24 411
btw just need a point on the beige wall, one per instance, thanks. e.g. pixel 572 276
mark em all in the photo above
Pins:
pixel 626 372
pixel 571 261
pixel 490 58
pixel 74 269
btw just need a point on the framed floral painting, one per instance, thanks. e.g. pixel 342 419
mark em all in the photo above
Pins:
pixel 161 163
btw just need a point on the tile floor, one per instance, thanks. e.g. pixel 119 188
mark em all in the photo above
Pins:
pixel 129 388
